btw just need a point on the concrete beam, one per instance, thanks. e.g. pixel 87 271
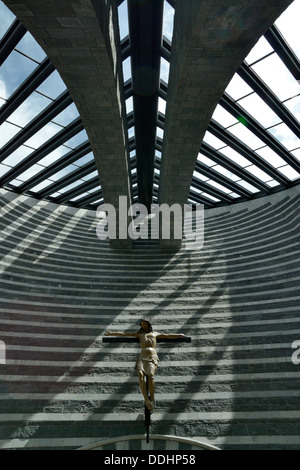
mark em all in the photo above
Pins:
pixel 80 38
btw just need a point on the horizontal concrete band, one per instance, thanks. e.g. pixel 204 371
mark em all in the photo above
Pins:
pixel 104 320
pixel 75 442
pixel 211 237
pixel 179 378
pixel 215 336
pixel 117 417
pixel 171 349
pixel 213 325
pixel 100 397
pixel 207 281
pixel 130 365
pixel 162 286
pixel 214 258
pixel 258 220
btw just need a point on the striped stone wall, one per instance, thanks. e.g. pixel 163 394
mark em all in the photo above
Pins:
pixel 234 386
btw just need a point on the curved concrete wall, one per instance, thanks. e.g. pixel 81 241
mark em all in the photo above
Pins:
pixel 235 386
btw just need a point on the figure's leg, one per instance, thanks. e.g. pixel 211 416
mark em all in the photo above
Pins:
pixel 151 385
pixel 143 388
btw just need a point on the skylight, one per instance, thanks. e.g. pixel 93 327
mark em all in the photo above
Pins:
pixel 250 148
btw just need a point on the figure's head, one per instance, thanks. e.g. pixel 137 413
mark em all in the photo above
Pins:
pixel 146 326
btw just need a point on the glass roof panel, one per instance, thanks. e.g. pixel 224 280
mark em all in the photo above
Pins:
pixel 289 172
pixel 257 108
pixel 48 131
pixel 123 19
pixel 223 117
pixel 28 43
pixel 29 109
pixel 53 86
pixel 271 157
pixel 164 69
pixel 288 25
pixel 7 132
pixel 17 156
pixel 213 141
pixel 285 136
pixel 245 136
pixel 278 78
pixel 168 21
pixel 14 71
pixel 7 17
pixel 238 88
pixel 260 50
pixel 293 106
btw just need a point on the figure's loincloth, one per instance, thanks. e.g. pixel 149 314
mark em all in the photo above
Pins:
pixel 147 364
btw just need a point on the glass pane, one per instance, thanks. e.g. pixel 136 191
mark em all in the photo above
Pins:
pixel 123 20
pixel 14 71
pixel 258 173
pixel 164 69
pixel 29 109
pixel 162 105
pixel 67 116
pixel 77 139
pixel 228 174
pixel 91 175
pixel 17 156
pixel 213 141
pixel 32 171
pixel 293 106
pixel 237 88
pixel 53 86
pixel 245 136
pixel 235 157
pixel 247 186
pixel 258 109
pixel 129 105
pixel 261 49
pixel 70 186
pixel 271 157
pixel 4 169
pixel 54 156
pixel 62 173
pixel 223 117
pixel 83 160
pixel 285 136
pixel 168 21
pixel 288 24
pixel 278 78
pixel 7 18
pixel 289 172
pixel 41 186
pixel 126 64
pixel 7 132
pixel 30 47
pixel 218 186
pixel 43 135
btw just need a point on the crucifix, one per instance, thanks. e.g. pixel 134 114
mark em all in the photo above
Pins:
pixel 147 362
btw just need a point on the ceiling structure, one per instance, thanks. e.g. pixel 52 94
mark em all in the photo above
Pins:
pixel 251 147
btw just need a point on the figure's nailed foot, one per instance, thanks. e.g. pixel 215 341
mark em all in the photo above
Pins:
pixel 149 405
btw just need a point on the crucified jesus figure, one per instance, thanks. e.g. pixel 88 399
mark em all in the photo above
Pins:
pixel 147 362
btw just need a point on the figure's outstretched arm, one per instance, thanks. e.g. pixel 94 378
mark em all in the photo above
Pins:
pixel 170 336
pixel 121 333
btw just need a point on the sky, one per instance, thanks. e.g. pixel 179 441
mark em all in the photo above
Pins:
pixel 262 59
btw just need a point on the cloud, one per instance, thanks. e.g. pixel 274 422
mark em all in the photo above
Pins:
pixel 3 93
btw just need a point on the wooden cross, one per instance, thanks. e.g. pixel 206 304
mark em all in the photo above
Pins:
pixel 124 339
